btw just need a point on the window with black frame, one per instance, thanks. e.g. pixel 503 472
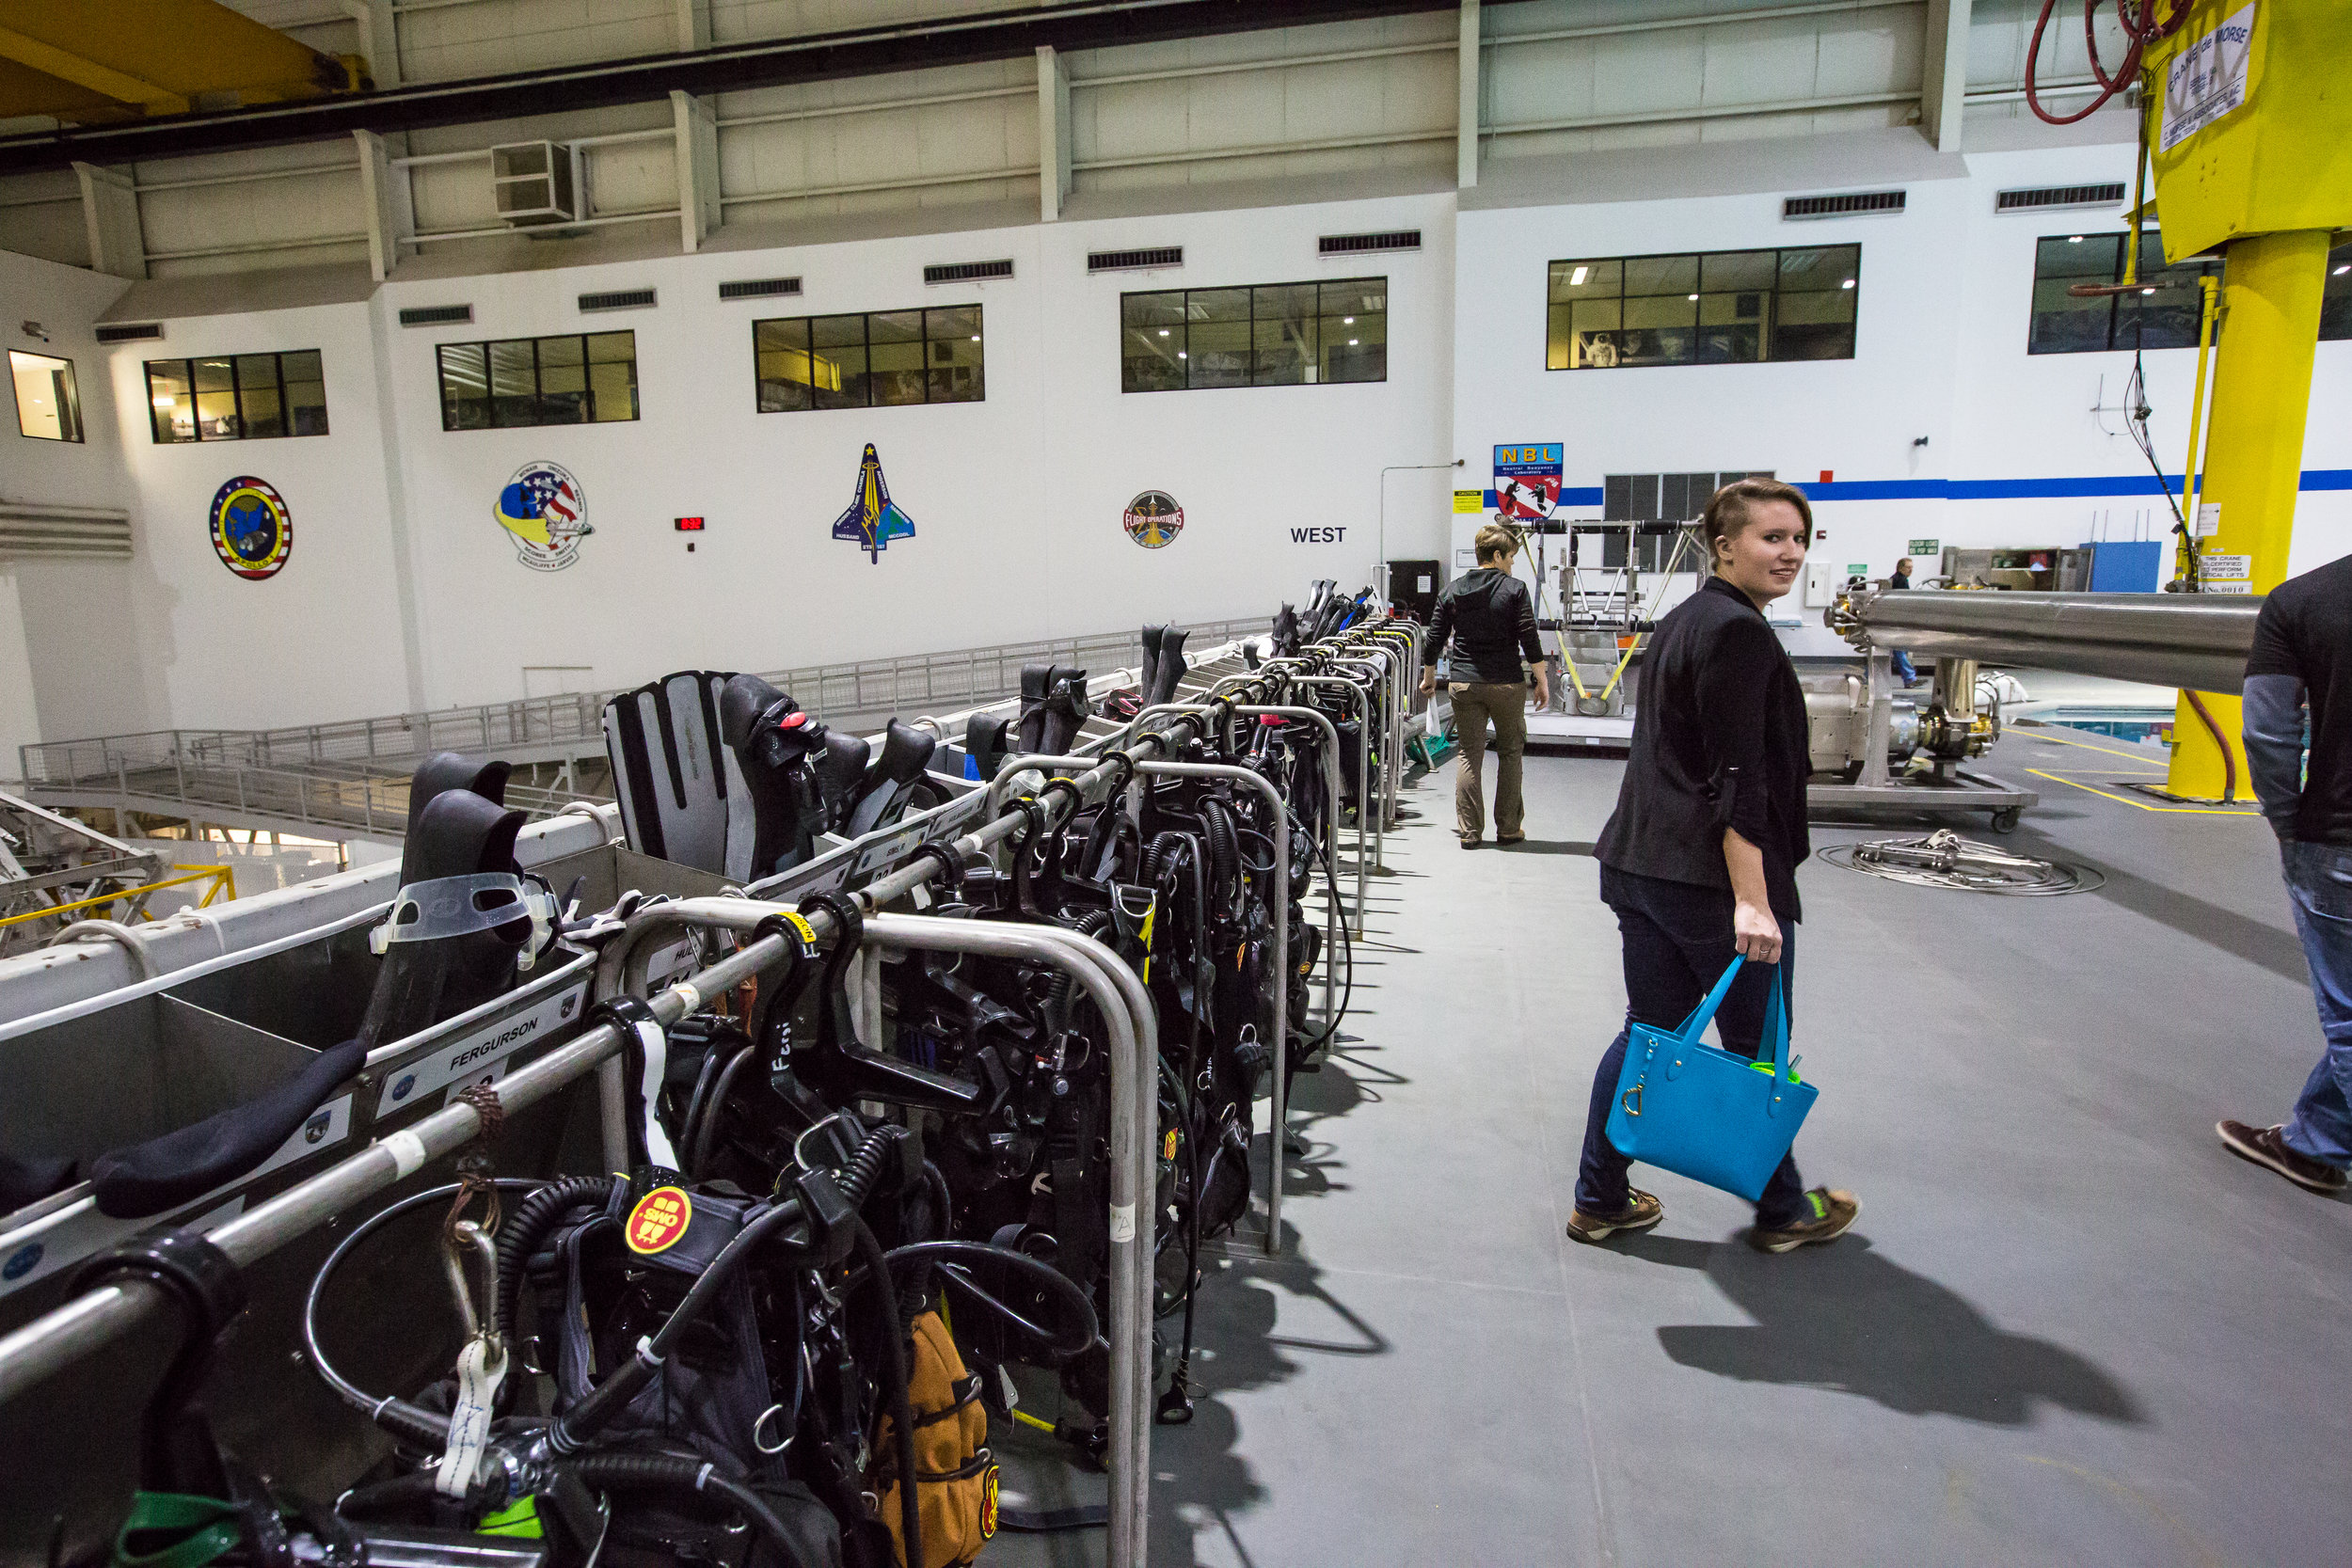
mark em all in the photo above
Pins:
pixel 870 359
pixel 48 404
pixel 237 397
pixel 1264 335
pixel 1706 308
pixel 578 378
pixel 2162 312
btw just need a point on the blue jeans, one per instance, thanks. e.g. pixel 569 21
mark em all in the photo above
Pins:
pixel 2319 883
pixel 1898 664
pixel 1678 943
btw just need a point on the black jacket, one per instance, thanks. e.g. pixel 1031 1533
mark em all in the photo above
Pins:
pixel 1719 741
pixel 1490 620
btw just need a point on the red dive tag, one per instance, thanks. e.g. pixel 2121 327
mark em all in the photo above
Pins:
pixel 658 1220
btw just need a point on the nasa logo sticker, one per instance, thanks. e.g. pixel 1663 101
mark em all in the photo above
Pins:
pixel 546 511
pixel 1154 519
pixel 252 528
pixel 658 1220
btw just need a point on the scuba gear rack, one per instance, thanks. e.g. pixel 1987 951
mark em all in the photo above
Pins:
pixel 1063 1049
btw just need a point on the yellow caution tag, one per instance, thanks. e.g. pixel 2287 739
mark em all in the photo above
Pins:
pixel 800 923
pixel 1168 1144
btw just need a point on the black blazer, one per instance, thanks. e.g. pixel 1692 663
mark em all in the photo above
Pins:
pixel 1719 741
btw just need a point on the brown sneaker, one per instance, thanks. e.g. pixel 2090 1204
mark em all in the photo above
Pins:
pixel 1828 1215
pixel 2265 1145
pixel 1642 1212
pixel 1469 841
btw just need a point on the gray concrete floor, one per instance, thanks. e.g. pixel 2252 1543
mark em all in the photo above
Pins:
pixel 2069 1328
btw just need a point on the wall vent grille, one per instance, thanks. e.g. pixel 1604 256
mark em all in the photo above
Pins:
pixel 1128 261
pixel 968 272
pixel 617 299
pixel 2045 197
pixel 1355 244
pixel 759 287
pixel 30 532
pixel 436 315
pixel 1851 204
pixel 131 332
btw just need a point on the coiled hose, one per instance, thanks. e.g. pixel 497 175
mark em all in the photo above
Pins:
pixel 528 1226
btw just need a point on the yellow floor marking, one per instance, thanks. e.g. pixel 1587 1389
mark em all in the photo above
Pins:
pixel 2060 741
pixel 2177 811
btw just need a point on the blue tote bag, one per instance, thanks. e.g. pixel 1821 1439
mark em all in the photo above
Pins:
pixel 1712 1116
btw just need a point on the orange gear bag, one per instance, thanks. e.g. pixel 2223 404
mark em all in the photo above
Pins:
pixel 955 1474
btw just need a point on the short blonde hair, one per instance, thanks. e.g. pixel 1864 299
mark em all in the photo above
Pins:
pixel 1494 542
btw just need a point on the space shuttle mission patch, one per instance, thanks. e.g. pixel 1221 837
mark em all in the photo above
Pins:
pixel 659 1221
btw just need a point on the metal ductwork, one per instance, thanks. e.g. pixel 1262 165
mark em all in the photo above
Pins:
pixel 2198 641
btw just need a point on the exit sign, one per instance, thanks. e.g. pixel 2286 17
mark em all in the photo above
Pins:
pixel 687 525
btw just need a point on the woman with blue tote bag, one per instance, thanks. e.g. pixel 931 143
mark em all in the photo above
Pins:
pixel 1699 862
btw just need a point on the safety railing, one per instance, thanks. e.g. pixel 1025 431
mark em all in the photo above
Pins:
pixel 839 694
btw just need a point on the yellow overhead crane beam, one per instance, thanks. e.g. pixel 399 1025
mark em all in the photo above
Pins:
pixel 121 59
pixel 2250 129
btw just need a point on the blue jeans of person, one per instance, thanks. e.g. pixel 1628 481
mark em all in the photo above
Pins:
pixel 1678 943
pixel 1898 664
pixel 2319 883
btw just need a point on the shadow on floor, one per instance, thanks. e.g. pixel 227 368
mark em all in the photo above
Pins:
pixel 1547 846
pixel 2275 948
pixel 1846 1317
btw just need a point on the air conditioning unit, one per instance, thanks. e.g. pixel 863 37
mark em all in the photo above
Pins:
pixel 537 182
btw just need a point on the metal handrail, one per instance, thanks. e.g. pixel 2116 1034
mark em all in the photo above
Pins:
pixel 846 689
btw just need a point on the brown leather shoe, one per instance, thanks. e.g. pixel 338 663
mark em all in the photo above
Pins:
pixel 1469 841
pixel 2265 1145
pixel 1506 840
pixel 1827 1216
pixel 1640 1212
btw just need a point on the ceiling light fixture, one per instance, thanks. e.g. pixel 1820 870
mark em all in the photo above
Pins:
pixel 1847 284
pixel 1694 296
pixel 1576 278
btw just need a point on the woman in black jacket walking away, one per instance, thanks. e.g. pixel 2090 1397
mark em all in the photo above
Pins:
pixel 1699 859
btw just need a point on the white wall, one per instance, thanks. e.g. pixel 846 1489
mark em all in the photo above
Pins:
pixel 1946 297
pixel 73 638
pixel 1016 499
pixel 402 591
pixel 320 639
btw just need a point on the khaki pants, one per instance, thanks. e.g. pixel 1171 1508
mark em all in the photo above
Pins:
pixel 1473 705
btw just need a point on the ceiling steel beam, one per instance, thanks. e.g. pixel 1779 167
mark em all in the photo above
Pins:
pixel 89 74
pixel 829 57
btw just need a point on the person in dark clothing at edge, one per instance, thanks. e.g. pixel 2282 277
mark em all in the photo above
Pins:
pixel 2301 662
pixel 1489 617
pixel 1699 859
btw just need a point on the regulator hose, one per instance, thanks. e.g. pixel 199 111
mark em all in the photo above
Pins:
pixel 899 1391
pixel 692 1474
pixel 1075 1337
pixel 407 1421
pixel 576 1426
pixel 703 1131
pixel 524 1230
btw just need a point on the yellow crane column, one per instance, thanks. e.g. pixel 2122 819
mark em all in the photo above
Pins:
pixel 2250 126
pixel 2270 297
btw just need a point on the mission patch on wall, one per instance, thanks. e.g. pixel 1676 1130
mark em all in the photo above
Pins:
pixel 252 528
